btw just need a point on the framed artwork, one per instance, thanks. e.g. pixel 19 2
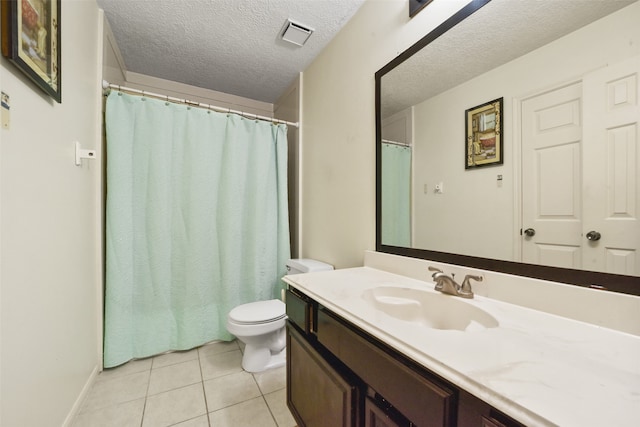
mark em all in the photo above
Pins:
pixel 416 6
pixel 484 145
pixel 31 40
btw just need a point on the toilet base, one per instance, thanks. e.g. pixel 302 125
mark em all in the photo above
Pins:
pixel 260 359
pixel 277 360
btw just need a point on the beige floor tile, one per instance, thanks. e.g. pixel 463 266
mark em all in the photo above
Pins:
pixel 174 406
pixel 168 390
pixel 271 379
pixel 174 376
pixel 120 389
pixel 229 390
pixel 128 414
pixel 252 413
pixel 202 421
pixel 277 403
pixel 217 348
pixel 174 357
pixel 128 368
pixel 217 365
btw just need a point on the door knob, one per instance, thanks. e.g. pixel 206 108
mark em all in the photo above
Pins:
pixel 529 232
pixel 593 236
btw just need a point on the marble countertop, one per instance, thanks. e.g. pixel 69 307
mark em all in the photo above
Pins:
pixel 540 369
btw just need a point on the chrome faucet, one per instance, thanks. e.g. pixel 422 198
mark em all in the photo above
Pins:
pixel 448 285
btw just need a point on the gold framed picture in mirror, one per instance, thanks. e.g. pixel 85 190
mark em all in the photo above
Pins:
pixel 484 145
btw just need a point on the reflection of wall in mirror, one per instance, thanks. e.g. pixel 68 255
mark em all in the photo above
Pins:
pixel 476 215
pixel 398 127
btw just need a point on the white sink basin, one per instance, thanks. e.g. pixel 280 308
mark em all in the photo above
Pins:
pixel 430 309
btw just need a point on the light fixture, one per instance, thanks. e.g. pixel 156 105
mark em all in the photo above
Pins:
pixel 295 33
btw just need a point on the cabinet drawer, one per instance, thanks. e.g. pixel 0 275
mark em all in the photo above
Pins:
pixel 299 310
pixel 425 401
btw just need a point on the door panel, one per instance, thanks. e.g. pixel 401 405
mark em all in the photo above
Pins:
pixel 558 255
pixel 551 177
pixel 611 165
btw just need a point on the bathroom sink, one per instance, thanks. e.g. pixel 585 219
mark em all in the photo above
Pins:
pixel 429 309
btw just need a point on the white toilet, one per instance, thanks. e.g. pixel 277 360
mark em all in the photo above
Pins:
pixel 261 325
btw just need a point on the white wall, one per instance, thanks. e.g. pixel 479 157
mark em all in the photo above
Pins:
pixel 338 133
pixel 483 222
pixel 113 68
pixel 49 232
pixel 197 94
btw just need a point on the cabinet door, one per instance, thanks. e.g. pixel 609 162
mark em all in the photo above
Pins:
pixel 317 395
pixel 375 416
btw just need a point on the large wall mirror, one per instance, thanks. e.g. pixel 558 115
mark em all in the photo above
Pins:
pixel 563 201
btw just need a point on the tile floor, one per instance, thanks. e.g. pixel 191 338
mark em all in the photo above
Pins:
pixel 204 387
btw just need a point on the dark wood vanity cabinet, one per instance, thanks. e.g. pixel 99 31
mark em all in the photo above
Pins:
pixel 338 375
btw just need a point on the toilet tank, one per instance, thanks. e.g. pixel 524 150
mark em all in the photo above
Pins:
pixel 306 265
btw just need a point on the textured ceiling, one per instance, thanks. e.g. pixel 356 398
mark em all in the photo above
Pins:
pixel 494 35
pixel 231 46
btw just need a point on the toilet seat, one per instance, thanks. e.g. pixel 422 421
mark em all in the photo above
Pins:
pixel 259 312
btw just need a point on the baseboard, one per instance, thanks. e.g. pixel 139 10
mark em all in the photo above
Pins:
pixel 81 397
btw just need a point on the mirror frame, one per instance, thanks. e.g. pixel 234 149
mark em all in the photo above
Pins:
pixel 592 279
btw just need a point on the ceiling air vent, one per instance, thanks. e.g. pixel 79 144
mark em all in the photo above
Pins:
pixel 295 33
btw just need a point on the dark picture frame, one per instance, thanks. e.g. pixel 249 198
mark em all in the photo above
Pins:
pixel 31 41
pixel 416 6
pixel 483 131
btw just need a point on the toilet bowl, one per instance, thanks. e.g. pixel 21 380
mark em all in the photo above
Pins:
pixel 260 325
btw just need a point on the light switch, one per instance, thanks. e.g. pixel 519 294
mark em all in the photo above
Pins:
pixel 6 111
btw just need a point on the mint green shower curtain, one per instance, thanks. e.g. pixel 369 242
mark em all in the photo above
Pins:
pixel 396 195
pixel 196 223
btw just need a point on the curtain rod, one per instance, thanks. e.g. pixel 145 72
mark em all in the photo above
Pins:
pixel 106 85
pixel 402 144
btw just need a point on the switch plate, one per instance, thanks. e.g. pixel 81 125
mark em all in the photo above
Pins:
pixel 6 111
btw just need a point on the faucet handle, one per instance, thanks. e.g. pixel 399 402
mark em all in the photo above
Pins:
pixel 465 288
pixel 436 270
pixel 437 277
